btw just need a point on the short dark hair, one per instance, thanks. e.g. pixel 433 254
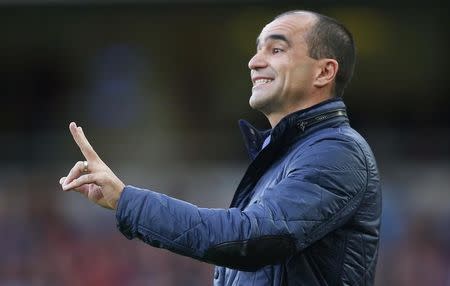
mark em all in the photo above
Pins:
pixel 328 38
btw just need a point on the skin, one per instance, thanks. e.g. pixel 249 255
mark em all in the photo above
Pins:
pixel 100 185
pixel 297 82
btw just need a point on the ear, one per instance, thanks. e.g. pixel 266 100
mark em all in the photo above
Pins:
pixel 326 72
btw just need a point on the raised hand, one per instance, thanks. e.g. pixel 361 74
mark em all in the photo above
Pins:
pixel 93 178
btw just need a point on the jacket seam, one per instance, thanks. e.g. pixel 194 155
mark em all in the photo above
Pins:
pixel 285 220
pixel 372 261
pixel 364 274
pixel 188 230
pixel 342 262
pixel 170 242
pixel 363 248
pixel 283 236
pixel 333 218
pixel 366 164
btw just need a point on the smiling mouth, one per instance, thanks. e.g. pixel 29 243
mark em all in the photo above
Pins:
pixel 262 81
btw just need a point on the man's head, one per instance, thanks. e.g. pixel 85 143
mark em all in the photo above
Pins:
pixel 302 58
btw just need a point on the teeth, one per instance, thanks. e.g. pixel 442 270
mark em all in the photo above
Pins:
pixel 263 80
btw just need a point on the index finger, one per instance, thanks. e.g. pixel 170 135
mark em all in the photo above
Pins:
pixel 82 142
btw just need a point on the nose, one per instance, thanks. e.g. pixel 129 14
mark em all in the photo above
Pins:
pixel 257 62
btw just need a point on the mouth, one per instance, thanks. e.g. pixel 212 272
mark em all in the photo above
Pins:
pixel 259 82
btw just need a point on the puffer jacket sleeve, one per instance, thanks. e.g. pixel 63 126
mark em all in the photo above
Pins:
pixel 322 188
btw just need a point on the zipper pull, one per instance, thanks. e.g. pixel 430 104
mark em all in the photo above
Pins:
pixel 302 125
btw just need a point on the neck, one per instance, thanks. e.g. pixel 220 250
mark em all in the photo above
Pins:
pixel 275 117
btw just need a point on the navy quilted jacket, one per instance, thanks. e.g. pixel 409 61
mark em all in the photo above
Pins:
pixel 307 211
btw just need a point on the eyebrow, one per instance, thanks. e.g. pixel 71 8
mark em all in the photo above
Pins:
pixel 277 37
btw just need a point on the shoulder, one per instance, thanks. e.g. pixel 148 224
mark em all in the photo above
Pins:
pixel 341 148
pixel 333 160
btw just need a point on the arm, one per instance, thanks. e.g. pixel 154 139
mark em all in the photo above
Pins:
pixel 320 193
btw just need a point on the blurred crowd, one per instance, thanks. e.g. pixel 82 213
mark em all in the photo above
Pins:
pixel 414 249
pixel 40 247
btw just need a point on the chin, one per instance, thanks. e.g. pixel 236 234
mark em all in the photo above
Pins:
pixel 259 101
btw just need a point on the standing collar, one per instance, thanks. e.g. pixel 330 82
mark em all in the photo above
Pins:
pixel 290 125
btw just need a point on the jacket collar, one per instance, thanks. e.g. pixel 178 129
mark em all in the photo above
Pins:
pixel 293 124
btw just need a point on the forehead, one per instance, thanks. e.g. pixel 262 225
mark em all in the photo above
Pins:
pixel 296 24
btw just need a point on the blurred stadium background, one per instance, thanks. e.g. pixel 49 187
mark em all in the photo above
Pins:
pixel 158 88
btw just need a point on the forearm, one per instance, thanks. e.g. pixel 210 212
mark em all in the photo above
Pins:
pixel 228 237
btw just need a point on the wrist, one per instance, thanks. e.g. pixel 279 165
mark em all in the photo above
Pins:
pixel 121 187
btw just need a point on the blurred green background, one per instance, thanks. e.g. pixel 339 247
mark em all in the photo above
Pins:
pixel 158 89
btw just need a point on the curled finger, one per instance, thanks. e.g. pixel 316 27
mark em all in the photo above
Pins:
pixel 76 171
pixel 82 180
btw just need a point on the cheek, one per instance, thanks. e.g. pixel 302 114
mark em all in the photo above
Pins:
pixel 302 75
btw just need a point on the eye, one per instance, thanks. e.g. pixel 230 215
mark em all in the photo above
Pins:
pixel 276 50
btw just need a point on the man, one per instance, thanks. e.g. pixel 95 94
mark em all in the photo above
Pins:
pixel 307 211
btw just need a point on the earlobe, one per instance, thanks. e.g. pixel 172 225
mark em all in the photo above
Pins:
pixel 326 73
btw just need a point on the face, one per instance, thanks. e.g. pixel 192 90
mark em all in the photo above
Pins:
pixel 281 70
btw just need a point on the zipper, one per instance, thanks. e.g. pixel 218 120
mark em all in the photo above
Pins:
pixel 308 122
